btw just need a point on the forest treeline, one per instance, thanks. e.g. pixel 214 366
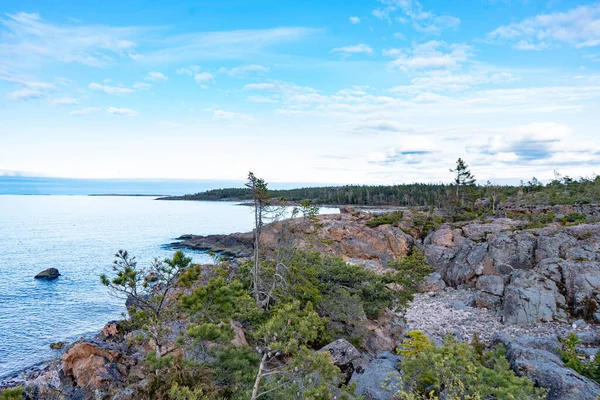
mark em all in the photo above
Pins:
pixel 561 190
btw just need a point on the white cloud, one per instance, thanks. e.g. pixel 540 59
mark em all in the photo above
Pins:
pixel 189 71
pixel 399 35
pixel 229 115
pixel 156 77
pixel 29 37
pixel 142 86
pixel 244 70
pixel 412 12
pixel 27 82
pixel 281 90
pixel 354 20
pixel 64 101
pixel 121 112
pixel 85 111
pixel 24 94
pixel 444 80
pixel 430 55
pixel 528 143
pixel 202 77
pixel 224 45
pixel 578 27
pixel 356 49
pixel 110 89
pixel 261 99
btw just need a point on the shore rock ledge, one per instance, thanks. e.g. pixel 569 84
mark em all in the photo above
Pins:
pixel 48 274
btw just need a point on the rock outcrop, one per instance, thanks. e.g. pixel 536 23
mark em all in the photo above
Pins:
pixel 529 275
pixel 344 235
pixel 539 360
pixel 48 274
pixel 345 356
pixel 96 365
pixel 379 379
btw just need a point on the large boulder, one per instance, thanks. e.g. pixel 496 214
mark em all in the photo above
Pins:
pixel 95 365
pixel 530 297
pixel 379 379
pixel 534 358
pixel 48 274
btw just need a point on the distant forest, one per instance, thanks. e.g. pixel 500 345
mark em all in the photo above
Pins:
pixel 561 190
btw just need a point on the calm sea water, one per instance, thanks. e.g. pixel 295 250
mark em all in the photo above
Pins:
pixel 79 235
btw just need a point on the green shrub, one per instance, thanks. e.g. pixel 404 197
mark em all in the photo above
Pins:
pixel 456 370
pixel 15 393
pixel 222 300
pixel 574 218
pixel 391 218
pixel 173 377
pixel 291 327
pixel 574 361
pixel 410 272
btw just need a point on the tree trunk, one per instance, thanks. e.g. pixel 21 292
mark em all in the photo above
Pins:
pixel 258 377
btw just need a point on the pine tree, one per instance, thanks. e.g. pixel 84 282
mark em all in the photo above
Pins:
pixel 463 177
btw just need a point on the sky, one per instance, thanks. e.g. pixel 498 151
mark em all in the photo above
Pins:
pixel 328 91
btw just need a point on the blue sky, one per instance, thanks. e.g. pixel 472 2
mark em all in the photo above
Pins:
pixel 370 91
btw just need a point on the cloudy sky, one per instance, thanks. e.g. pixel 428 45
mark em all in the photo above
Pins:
pixel 335 91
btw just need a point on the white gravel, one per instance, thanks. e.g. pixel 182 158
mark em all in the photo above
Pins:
pixel 448 312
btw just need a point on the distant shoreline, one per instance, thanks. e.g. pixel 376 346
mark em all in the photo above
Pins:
pixel 125 195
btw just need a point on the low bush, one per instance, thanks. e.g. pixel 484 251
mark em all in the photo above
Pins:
pixel 574 218
pixel 391 218
pixel 573 360
pixel 15 393
pixel 457 371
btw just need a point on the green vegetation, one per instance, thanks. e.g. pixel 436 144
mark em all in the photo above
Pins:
pixel 321 299
pixel 391 218
pixel 574 360
pixel 459 371
pixel 139 286
pixel 561 190
pixel 15 393
pixel 574 218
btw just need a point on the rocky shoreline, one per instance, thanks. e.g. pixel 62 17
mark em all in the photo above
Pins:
pixel 497 279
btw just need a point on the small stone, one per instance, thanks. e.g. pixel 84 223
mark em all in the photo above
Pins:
pixel 57 345
pixel 579 324
pixel 459 305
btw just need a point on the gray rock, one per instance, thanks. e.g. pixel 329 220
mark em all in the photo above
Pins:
pixel 589 352
pixel 589 338
pixel 378 380
pixel 126 394
pixel 492 284
pixel 548 371
pixel 531 297
pixel 459 305
pixel 48 274
pixel 489 301
pixel 432 283
pixel 344 356
pixel 580 324
pixel 582 281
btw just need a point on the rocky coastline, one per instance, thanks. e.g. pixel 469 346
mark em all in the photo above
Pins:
pixel 496 278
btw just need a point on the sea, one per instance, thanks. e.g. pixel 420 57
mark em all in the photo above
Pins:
pixel 79 235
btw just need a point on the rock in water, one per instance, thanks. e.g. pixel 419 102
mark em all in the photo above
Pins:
pixel 48 274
